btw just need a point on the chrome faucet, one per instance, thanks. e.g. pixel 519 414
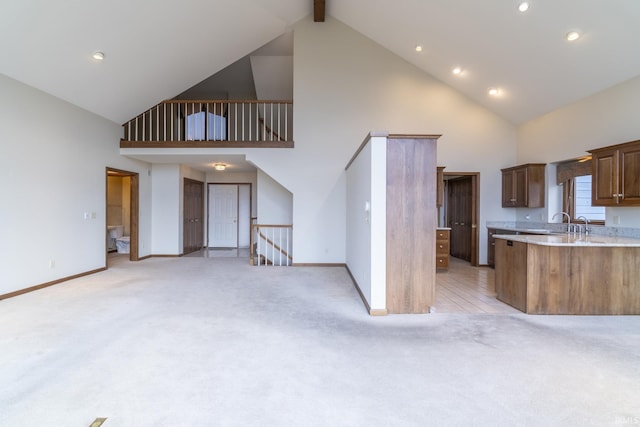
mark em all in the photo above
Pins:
pixel 586 223
pixel 568 219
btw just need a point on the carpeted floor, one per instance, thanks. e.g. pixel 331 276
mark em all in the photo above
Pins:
pixel 215 342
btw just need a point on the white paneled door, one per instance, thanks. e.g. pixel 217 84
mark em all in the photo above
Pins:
pixel 223 216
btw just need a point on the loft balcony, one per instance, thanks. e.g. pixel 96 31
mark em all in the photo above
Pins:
pixel 212 124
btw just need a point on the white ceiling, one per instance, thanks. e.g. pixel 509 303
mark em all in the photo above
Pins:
pixel 156 49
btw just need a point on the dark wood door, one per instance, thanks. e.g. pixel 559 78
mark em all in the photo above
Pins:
pixel 460 216
pixel 193 214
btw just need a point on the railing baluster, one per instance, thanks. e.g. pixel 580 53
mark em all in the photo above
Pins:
pixel 251 121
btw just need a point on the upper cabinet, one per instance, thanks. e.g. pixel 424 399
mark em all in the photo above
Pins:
pixel 616 175
pixel 523 186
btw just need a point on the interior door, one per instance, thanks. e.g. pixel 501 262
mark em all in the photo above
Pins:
pixel 193 216
pixel 459 216
pixel 223 216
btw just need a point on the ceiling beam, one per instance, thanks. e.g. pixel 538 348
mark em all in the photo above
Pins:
pixel 318 10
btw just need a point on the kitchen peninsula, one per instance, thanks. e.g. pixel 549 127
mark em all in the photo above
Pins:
pixel 568 273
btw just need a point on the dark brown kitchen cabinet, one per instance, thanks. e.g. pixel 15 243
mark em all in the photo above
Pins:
pixel 616 175
pixel 523 186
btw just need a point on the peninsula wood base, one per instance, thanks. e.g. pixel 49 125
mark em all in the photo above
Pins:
pixel 540 279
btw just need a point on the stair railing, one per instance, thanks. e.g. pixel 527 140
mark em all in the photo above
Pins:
pixel 271 245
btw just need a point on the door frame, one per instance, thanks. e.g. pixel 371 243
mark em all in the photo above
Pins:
pixel 207 202
pixel 134 208
pixel 475 212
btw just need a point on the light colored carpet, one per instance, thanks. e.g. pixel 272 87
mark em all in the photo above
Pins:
pixel 215 342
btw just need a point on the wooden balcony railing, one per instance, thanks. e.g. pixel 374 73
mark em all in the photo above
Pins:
pixel 210 123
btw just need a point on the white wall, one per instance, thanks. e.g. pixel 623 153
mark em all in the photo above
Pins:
pixel 607 118
pixel 345 86
pixel 53 160
pixel 366 229
pixel 166 212
pixel 275 203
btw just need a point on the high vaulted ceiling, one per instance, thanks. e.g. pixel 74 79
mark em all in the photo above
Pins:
pixel 156 49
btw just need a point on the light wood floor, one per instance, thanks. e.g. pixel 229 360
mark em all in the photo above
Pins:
pixel 466 289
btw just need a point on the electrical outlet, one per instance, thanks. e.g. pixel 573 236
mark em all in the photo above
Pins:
pixel 52 263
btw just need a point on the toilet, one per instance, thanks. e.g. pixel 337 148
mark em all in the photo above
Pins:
pixel 122 244
pixel 117 239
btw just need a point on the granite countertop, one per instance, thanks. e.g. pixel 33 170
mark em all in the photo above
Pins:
pixel 527 230
pixel 571 240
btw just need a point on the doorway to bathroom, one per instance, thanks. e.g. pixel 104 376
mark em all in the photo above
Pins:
pixel 122 214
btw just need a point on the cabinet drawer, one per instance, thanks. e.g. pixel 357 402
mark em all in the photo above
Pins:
pixel 442 247
pixel 442 261
pixel 442 235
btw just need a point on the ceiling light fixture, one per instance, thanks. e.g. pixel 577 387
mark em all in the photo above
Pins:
pixel 523 6
pixel 457 71
pixel 418 48
pixel 219 166
pixel 493 91
pixel 98 56
pixel 573 36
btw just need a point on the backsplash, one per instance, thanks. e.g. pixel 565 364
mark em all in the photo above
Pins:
pixel 600 230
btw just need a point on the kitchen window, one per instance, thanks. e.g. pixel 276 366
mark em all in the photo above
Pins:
pixel 575 178
pixel 582 201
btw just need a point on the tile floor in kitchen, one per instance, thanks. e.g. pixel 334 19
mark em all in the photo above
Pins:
pixel 466 289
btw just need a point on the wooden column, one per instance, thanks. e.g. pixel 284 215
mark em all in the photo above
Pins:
pixel 411 223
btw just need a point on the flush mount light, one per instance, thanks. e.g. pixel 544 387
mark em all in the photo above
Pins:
pixel 418 48
pixel 573 36
pixel 219 166
pixel 494 91
pixel 457 71
pixel 523 6
pixel 98 56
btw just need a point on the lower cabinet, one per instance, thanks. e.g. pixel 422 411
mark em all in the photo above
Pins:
pixel 442 249
pixel 511 273
pixel 491 244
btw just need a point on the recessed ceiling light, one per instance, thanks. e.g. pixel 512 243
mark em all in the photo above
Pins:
pixel 523 6
pixel 98 56
pixel 418 48
pixel 457 71
pixel 573 36
pixel 494 91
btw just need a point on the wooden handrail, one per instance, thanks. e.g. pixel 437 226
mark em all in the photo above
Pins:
pixel 222 101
